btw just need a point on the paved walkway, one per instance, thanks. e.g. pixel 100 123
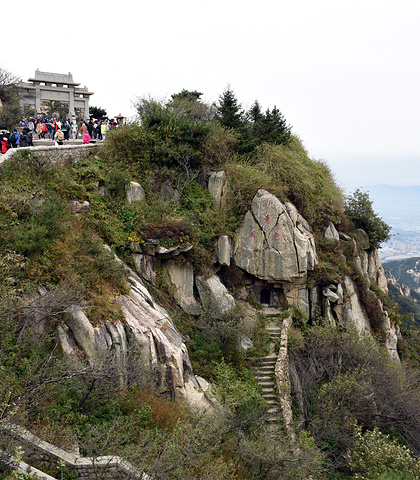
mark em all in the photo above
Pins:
pixel 46 145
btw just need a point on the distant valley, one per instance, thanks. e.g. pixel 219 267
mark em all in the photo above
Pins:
pixel 400 208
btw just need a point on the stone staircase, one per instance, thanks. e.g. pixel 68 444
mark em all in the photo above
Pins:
pixel 264 371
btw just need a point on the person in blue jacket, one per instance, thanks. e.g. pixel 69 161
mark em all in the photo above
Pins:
pixel 14 139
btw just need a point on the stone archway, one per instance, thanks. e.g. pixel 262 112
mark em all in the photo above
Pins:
pixel 48 87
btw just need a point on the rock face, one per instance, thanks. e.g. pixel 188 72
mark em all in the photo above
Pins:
pixel 149 328
pixel 274 247
pixel 215 299
pixel 353 311
pixel 146 266
pixel 274 242
pixel 376 271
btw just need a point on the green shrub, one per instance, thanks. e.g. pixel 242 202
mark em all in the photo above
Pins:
pixel 376 456
pixel 360 210
pixel 116 181
pixel 307 183
pixel 238 392
pixel 260 338
pixel 288 173
pixel 33 233
pixel 205 352
pixel 244 179
pixel 353 377
pixel 129 144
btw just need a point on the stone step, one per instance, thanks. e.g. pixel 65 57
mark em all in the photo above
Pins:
pixel 272 310
pixel 263 377
pixel 265 364
pixel 269 396
pixel 268 361
pixel 267 390
pixel 266 372
pixel 266 384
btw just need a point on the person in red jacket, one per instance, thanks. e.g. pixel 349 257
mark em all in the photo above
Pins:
pixel 4 145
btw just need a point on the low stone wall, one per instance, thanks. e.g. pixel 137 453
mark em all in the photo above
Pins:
pixel 24 468
pixel 60 152
pixel 38 453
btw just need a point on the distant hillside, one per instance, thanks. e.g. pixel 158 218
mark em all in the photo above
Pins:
pixel 408 300
pixel 406 271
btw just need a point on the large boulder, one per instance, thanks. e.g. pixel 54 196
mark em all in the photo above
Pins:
pixel 215 299
pixel 146 266
pixel 362 239
pixel 83 331
pixel 224 250
pixel 135 192
pixel 331 233
pixel 274 242
pixel 78 207
pixel 218 188
pixel 180 278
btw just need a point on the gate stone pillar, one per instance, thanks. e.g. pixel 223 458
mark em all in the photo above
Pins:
pixel 71 103
pixel 37 100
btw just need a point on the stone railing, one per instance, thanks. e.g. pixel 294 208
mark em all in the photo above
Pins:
pixel 38 453
pixel 59 152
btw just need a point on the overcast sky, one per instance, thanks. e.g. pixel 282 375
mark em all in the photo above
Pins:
pixel 345 73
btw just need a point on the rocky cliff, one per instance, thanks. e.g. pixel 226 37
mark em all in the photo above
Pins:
pixel 276 251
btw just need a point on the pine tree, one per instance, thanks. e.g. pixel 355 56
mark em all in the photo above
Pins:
pixel 274 128
pixel 228 110
pixel 255 114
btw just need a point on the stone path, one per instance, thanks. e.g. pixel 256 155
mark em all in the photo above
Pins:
pixel 264 372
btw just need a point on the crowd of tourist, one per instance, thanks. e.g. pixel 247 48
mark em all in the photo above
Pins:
pixel 55 130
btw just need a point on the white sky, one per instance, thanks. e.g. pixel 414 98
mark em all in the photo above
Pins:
pixel 345 74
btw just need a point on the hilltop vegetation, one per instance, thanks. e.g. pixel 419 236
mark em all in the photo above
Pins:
pixel 170 150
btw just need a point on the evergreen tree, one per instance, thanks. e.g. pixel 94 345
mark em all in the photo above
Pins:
pixel 255 114
pixel 190 95
pixel 274 128
pixel 10 111
pixel 228 110
pixel 97 113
